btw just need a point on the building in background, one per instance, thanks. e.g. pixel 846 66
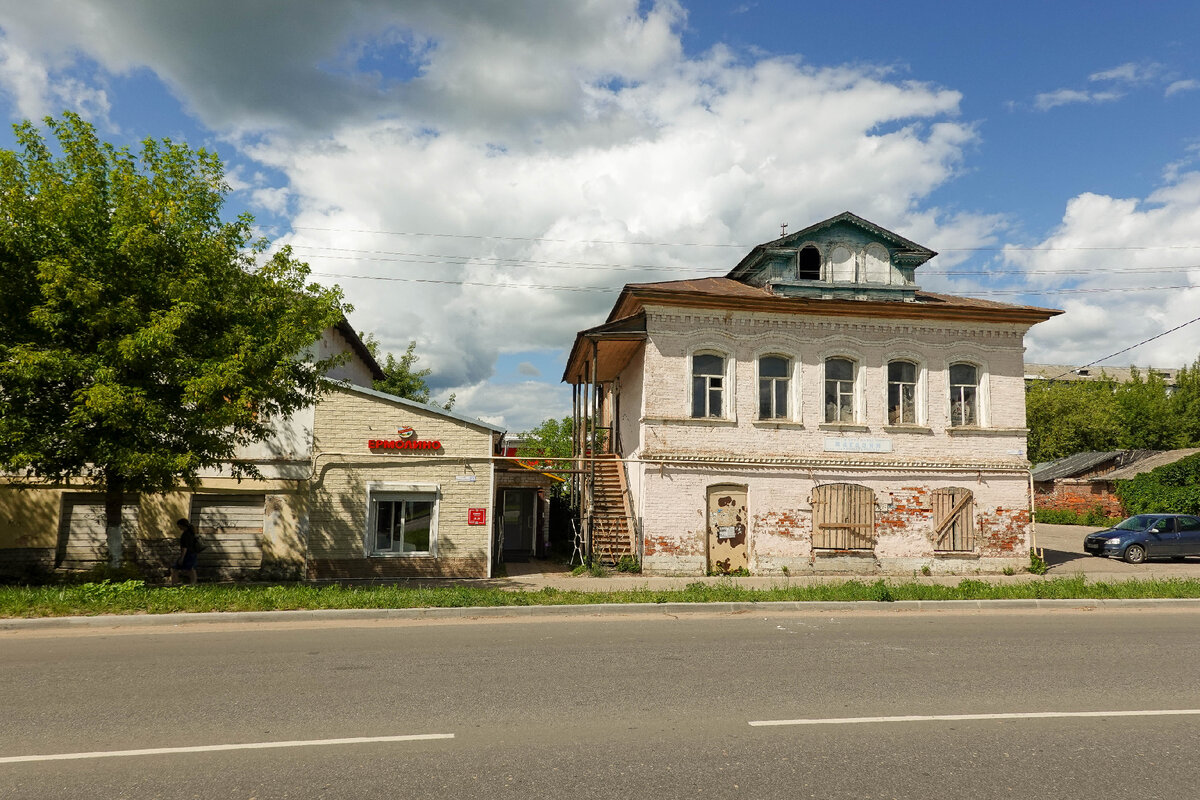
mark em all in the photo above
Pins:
pixel 360 485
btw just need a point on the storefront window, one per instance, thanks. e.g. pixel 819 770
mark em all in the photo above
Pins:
pixel 403 524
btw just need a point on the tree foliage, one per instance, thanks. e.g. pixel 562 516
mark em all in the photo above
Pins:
pixel 142 338
pixel 400 375
pixel 551 439
pixel 1142 413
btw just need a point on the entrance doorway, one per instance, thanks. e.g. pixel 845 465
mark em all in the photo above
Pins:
pixel 518 523
pixel 727 523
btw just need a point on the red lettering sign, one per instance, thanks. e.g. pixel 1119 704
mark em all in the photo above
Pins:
pixel 403 444
pixel 476 516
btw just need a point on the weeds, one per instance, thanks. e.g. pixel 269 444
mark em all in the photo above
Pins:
pixel 135 597
pixel 1037 564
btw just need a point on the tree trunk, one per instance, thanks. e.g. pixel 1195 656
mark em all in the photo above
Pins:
pixel 114 499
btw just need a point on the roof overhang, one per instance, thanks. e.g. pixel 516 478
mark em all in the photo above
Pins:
pixel 928 306
pixel 610 346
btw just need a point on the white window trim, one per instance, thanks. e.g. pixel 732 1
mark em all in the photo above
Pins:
pixel 857 394
pixel 821 267
pixel 384 491
pixel 921 398
pixel 794 412
pixel 982 395
pixel 728 396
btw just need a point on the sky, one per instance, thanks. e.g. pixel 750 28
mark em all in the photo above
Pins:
pixel 483 177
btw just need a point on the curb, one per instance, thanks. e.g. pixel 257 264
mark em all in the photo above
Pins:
pixel 594 610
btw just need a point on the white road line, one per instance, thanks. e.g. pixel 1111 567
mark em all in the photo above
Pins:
pixel 960 717
pixel 210 748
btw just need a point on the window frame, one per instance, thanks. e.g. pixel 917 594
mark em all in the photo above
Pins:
pixel 401 492
pixel 855 389
pixel 791 395
pixel 821 271
pixel 726 388
pixel 919 404
pixel 980 393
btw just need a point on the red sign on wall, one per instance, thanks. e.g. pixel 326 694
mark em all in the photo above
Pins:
pixel 477 516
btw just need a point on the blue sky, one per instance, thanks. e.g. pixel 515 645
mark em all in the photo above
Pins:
pixel 480 177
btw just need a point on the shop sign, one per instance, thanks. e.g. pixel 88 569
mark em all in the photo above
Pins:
pixel 854 445
pixel 477 516
pixel 406 439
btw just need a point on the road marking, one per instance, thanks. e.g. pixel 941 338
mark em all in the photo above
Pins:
pixel 210 748
pixel 961 717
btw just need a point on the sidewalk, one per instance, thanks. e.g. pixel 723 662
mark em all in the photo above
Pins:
pixel 1061 544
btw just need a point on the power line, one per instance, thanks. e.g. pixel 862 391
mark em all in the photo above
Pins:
pixel 1127 349
pixel 509 285
pixel 448 259
pixel 715 244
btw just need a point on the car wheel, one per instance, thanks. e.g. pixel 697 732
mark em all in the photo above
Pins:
pixel 1135 554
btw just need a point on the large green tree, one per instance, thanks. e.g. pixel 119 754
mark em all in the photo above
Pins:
pixel 142 337
pixel 1073 417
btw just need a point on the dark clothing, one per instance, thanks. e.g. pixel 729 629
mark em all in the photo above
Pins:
pixel 188 549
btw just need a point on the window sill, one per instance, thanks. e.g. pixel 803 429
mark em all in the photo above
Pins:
pixel 863 553
pixel 402 555
pixel 721 422
pixel 963 554
pixel 852 427
pixel 778 423
pixel 921 429
pixel 971 430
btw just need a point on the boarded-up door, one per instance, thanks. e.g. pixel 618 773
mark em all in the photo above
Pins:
pixel 953 519
pixel 843 517
pixel 727 524
pixel 82 537
pixel 231 527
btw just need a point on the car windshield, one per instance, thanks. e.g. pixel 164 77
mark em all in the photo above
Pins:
pixel 1136 523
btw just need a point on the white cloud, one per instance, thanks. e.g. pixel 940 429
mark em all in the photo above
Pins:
pixel 1188 85
pixel 1129 73
pixel 1137 262
pixel 37 90
pixel 1062 97
pixel 529 370
pixel 567 126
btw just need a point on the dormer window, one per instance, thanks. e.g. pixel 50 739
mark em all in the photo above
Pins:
pixel 810 264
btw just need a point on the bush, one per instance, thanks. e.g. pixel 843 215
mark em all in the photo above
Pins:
pixel 1170 488
pixel 1095 517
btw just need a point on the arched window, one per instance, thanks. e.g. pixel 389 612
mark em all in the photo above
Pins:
pixel 839 390
pixel 902 393
pixel 774 380
pixel 809 268
pixel 708 385
pixel 964 394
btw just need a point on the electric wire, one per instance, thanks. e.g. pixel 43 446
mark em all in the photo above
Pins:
pixel 1127 349
pixel 1001 248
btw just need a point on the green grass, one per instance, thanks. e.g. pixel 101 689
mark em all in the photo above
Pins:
pixel 134 597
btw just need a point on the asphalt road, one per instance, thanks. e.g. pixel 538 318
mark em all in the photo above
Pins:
pixel 613 707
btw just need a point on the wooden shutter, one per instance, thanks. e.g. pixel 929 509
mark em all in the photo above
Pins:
pixel 953 519
pixel 843 517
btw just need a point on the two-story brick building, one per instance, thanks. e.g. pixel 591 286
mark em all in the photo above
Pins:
pixel 813 410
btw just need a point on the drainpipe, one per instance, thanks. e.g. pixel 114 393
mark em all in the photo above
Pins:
pixel 1032 524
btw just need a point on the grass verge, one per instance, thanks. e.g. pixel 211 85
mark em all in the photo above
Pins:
pixel 134 597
